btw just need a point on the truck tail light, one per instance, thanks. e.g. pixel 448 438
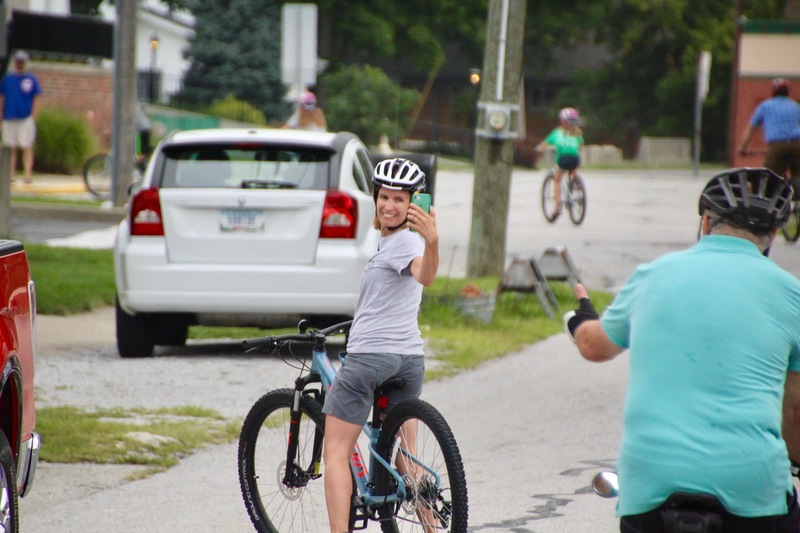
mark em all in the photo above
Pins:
pixel 339 216
pixel 146 213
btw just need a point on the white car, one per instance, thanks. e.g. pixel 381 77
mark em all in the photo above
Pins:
pixel 243 227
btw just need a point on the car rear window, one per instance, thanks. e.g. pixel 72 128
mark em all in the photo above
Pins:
pixel 245 166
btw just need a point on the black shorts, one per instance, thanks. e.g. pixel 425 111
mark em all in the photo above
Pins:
pixel 569 162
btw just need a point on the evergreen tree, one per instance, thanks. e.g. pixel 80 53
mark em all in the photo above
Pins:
pixel 236 50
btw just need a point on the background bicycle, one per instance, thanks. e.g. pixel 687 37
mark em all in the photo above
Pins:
pixel 573 197
pixel 791 231
pixel 98 170
pixel 413 479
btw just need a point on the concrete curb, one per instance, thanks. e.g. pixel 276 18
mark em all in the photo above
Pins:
pixel 80 213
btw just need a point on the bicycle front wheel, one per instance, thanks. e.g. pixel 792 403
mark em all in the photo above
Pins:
pixel 791 231
pixel 275 506
pixel 549 203
pixel 576 191
pixel 417 441
pixel 97 176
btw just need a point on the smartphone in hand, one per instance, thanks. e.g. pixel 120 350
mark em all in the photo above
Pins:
pixel 422 200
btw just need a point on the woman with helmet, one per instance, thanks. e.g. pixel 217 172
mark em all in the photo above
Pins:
pixel 384 340
pixel 307 116
pixel 713 396
pixel 779 117
pixel 567 140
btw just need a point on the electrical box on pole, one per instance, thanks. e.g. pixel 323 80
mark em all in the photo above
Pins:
pixel 498 120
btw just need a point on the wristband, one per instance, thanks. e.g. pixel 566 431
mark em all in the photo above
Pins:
pixel 584 312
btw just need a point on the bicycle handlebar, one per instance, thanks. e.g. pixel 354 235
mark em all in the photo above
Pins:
pixel 310 336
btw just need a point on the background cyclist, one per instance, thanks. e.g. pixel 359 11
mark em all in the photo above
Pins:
pixel 567 140
pixel 308 115
pixel 714 340
pixel 385 340
pixel 779 117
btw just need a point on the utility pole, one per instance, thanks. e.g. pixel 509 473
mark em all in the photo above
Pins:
pixel 124 134
pixel 497 128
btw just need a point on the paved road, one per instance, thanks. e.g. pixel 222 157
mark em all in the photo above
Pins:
pixel 533 427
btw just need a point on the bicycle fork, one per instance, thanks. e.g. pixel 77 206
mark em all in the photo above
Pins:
pixel 295 475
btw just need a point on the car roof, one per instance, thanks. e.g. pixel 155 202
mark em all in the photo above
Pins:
pixel 263 135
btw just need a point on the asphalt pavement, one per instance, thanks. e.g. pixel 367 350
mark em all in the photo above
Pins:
pixel 533 427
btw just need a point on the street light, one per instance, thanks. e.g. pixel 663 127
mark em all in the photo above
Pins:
pixel 474 76
pixel 153 52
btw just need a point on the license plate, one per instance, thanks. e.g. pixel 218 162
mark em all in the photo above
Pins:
pixel 251 220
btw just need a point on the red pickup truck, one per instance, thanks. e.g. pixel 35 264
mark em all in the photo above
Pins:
pixel 19 444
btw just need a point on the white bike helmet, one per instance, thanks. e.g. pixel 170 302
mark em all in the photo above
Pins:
pixel 398 174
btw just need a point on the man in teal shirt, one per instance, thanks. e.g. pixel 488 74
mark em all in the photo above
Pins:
pixel 714 340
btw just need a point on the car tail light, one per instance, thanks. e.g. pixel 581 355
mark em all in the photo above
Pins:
pixel 146 213
pixel 339 216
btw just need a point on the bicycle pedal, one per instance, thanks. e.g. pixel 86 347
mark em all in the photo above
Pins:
pixel 359 518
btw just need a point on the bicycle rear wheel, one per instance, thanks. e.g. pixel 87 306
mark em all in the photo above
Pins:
pixel 791 231
pixel 273 506
pixel 549 203
pixel 576 199
pixel 97 176
pixel 429 505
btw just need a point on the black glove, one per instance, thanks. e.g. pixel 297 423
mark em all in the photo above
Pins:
pixel 585 312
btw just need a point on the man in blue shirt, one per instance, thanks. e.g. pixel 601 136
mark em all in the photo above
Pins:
pixel 713 402
pixel 780 118
pixel 19 91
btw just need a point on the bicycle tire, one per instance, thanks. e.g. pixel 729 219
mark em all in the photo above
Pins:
pixel 791 230
pixel 437 449
pixel 549 203
pixel 97 176
pixel 576 199
pixel 274 507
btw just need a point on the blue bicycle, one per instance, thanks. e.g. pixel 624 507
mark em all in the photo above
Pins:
pixel 414 478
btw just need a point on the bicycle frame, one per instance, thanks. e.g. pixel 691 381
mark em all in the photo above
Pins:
pixel 323 372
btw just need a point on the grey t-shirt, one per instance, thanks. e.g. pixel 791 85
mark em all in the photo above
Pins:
pixel 386 312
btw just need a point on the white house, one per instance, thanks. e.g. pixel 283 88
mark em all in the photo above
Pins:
pixel 161 39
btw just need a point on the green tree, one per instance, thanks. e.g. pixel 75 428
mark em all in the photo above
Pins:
pixel 412 33
pixel 648 87
pixel 236 51
pixel 364 100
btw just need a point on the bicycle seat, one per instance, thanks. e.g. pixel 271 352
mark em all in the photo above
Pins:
pixel 389 385
pixel 689 512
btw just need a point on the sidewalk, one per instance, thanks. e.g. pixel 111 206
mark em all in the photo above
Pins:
pixel 51 184
pixel 59 186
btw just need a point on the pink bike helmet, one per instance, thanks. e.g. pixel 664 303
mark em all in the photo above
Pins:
pixel 308 99
pixel 569 115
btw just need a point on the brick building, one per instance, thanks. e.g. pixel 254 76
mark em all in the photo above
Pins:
pixel 764 50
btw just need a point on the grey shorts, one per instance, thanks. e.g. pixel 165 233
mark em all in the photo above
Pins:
pixel 350 397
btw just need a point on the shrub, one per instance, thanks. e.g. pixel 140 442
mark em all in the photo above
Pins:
pixel 233 109
pixel 365 101
pixel 64 141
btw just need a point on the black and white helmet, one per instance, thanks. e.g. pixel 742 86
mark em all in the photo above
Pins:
pixel 398 174
pixel 754 199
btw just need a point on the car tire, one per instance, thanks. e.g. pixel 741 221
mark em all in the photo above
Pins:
pixel 135 336
pixel 9 499
pixel 170 330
